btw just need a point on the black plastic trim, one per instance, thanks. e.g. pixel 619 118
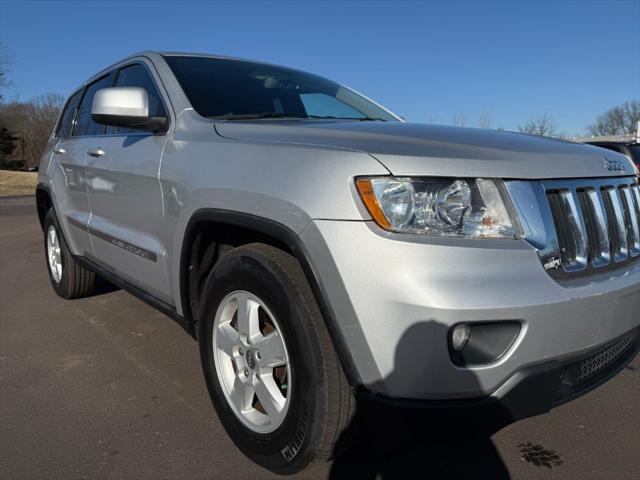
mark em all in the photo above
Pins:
pixel 156 125
pixel 470 358
pixel 129 247
pixel 289 238
pixel 56 130
pixel 112 277
pixel 531 391
pixel 146 297
pixel 531 394
pixel 109 73
pixel 42 187
pixel 567 393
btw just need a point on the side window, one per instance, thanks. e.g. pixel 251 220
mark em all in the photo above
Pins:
pixel 321 105
pixel 65 125
pixel 84 124
pixel 136 75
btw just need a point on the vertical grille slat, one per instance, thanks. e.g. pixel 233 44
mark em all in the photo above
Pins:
pixel 562 230
pixel 631 217
pixel 596 226
pixel 635 189
pixel 572 236
pixel 617 230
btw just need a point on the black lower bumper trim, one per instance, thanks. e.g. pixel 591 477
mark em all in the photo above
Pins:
pixel 594 367
pixel 531 391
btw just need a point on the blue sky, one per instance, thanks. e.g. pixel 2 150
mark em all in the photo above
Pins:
pixel 427 61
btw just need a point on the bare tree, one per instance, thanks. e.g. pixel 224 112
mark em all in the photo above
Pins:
pixel 543 125
pixel 619 120
pixel 459 119
pixel 7 138
pixel 7 146
pixel 5 66
pixel 485 120
pixel 31 124
pixel 25 127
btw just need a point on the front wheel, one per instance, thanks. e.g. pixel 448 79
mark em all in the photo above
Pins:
pixel 270 367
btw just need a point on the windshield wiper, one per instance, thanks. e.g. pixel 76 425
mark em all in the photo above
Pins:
pixel 361 119
pixel 253 116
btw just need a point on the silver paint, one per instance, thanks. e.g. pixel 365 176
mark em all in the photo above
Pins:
pixel 144 189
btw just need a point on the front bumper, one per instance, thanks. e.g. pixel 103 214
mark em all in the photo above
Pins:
pixel 396 296
pixel 531 391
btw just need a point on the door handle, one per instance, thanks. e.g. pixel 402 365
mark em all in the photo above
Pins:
pixel 59 151
pixel 95 152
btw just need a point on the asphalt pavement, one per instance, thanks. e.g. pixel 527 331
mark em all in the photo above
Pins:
pixel 106 387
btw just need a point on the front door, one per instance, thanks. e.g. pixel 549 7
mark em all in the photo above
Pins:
pixel 125 194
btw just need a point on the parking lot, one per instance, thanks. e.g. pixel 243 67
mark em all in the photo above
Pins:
pixel 106 387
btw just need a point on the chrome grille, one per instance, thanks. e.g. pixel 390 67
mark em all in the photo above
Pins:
pixel 597 229
pixel 596 222
pixel 580 226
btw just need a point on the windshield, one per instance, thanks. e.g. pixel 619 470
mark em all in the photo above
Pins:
pixel 635 154
pixel 240 90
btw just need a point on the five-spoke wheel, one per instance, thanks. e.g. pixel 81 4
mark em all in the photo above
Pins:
pixel 251 361
pixel 68 278
pixel 272 373
pixel 53 254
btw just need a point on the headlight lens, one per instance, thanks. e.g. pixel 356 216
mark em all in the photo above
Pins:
pixel 446 207
pixel 397 202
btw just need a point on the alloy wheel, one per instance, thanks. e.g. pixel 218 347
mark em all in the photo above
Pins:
pixel 251 360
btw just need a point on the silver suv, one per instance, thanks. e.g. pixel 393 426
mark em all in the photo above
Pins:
pixel 333 260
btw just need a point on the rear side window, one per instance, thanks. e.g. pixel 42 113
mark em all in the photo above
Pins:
pixel 137 76
pixel 84 124
pixel 65 125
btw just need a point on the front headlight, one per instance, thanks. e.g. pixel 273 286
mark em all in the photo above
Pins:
pixel 435 206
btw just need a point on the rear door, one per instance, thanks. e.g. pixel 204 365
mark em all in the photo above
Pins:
pixel 126 195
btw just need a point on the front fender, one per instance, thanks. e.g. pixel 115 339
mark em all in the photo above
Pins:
pixel 289 185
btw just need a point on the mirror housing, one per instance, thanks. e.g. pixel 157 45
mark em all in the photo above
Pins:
pixel 126 107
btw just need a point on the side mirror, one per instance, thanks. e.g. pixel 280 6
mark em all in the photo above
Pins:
pixel 125 107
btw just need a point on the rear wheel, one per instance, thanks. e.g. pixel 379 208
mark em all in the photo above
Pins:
pixel 270 367
pixel 68 279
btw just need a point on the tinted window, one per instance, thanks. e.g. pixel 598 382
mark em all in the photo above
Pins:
pixel 634 150
pixel 610 146
pixel 84 124
pixel 321 105
pixel 137 76
pixel 65 125
pixel 219 87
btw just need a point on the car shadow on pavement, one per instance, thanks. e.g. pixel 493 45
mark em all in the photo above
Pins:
pixel 433 443
pixel 104 286
pixel 477 459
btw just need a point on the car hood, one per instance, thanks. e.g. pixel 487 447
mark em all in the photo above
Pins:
pixel 417 149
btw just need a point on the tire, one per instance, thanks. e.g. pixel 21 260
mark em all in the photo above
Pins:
pixel 319 404
pixel 69 280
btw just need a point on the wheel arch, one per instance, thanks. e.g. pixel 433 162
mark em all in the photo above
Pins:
pixel 44 202
pixel 266 231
